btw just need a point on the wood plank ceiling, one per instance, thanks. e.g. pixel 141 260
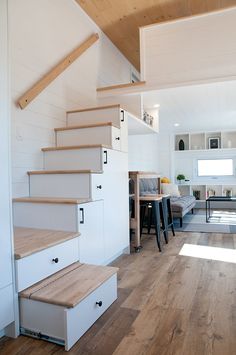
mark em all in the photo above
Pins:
pixel 120 19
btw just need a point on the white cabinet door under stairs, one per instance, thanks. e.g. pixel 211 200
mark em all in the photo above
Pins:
pixel 113 113
pixel 66 184
pixel 91 227
pixel 90 134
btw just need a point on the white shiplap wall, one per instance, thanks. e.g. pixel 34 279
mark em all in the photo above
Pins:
pixel 144 152
pixel 42 33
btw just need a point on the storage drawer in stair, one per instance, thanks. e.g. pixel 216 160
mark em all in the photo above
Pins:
pixel 66 184
pixel 63 317
pixel 35 267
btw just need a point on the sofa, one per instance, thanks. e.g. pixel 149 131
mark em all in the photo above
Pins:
pixel 180 205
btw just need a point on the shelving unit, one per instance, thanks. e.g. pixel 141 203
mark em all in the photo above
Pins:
pixel 200 140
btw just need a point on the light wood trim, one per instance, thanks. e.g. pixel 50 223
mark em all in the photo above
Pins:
pixel 76 147
pixel 74 286
pixel 36 89
pixel 48 172
pixel 28 241
pixel 95 108
pixel 121 86
pixel 45 282
pixel 94 125
pixel 150 198
pixel 67 201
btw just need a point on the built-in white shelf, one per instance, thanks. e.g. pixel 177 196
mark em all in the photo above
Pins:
pixel 204 190
pixel 138 126
pixel 201 141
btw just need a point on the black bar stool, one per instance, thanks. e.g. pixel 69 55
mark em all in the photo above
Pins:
pixel 155 202
pixel 167 215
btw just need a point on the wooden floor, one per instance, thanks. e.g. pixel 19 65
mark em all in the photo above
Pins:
pixel 168 304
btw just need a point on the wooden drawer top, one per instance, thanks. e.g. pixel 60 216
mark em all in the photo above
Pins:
pixel 71 285
pixel 57 200
pixel 28 241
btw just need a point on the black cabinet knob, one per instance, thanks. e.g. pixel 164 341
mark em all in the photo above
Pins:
pixel 99 303
pixel 55 260
pixel 117 138
pixel 99 187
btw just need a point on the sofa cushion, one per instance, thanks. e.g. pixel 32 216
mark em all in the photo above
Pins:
pixel 170 189
pixel 179 204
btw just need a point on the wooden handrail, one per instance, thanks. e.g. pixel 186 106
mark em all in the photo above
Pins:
pixel 36 89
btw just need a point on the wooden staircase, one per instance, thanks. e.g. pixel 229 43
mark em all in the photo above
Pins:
pixel 83 189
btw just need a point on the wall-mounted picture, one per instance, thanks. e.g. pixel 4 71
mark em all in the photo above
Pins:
pixel 214 143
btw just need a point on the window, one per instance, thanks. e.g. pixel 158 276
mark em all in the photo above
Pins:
pixel 215 167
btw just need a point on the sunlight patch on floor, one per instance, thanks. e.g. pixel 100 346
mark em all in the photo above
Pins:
pixel 210 253
pixel 224 217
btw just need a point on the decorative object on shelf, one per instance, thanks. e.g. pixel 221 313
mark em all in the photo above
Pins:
pixel 165 180
pixel 181 144
pixel 214 143
pixel 211 192
pixel 228 192
pixel 180 178
pixel 197 194
pixel 148 118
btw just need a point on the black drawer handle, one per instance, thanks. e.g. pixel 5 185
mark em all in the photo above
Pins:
pixel 105 153
pixel 99 187
pixel 123 116
pixel 55 260
pixel 117 138
pixel 99 303
pixel 82 211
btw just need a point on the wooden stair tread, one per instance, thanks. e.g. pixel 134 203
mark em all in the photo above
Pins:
pixel 95 108
pixel 72 287
pixel 45 172
pixel 87 146
pixel 48 280
pixel 68 201
pixel 94 125
pixel 28 241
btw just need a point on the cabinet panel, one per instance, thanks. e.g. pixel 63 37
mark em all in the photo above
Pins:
pixel 124 130
pixel 6 306
pixel 116 211
pixel 90 224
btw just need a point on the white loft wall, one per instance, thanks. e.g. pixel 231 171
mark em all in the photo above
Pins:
pixel 42 33
pixel 143 152
pixel 190 50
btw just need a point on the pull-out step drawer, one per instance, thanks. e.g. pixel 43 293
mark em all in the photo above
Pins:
pixel 41 253
pixel 63 307
pixel 75 158
pixel 66 184
pixel 94 134
pixel 93 115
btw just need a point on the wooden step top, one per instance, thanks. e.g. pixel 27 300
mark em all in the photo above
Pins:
pixel 67 289
pixel 28 241
pixel 95 108
pixel 48 172
pixel 122 86
pixel 94 125
pixel 87 146
pixel 66 201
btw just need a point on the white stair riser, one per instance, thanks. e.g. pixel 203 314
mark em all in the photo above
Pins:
pixel 46 216
pixel 67 185
pixel 28 272
pixel 113 115
pixel 95 135
pixel 74 159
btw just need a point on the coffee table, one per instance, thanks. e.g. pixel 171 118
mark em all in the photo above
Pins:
pixel 216 199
